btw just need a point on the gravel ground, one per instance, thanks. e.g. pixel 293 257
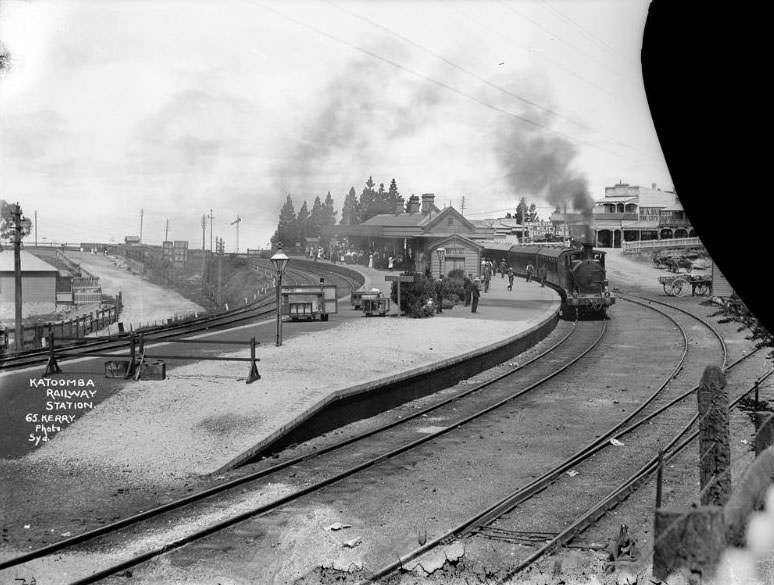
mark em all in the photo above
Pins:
pixel 143 301
pixel 147 469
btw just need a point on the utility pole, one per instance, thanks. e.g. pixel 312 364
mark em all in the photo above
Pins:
pixel 462 206
pixel 15 228
pixel 204 229
pixel 236 221
pixel 211 218
pixel 36 228
pixel 166 232
pixel 142 212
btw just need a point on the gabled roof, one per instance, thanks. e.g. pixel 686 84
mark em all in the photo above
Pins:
pixel 29 263
pixel 447 211
pixel 467 240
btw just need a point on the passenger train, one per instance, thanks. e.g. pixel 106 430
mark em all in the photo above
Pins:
pixel 578 274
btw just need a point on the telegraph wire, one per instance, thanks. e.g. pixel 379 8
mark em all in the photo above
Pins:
pixel 534 54
pixel 636 82
pixel 487 82
pixel 440 83
pixel 588 34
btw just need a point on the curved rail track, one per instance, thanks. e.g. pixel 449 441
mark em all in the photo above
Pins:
pixel 539 373
pixel 307 273
pixel 483 522
pixel 389 441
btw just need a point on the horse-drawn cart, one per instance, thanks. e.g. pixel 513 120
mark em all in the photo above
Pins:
pixel 678 285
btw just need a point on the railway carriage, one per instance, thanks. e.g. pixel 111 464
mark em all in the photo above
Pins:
pixel 578 274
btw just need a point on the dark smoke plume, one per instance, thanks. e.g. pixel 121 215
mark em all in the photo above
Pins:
pixel 539 163
pixel 358 114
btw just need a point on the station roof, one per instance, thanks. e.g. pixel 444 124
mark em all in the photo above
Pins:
pixel 29 263
pixel 401 220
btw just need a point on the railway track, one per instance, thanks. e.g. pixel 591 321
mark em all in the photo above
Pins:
pixel 377 443
pixel 391 439
pixel 300 272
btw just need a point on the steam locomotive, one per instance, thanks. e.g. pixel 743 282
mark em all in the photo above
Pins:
pixel 578 274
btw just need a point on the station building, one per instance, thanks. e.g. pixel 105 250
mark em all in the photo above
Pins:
pixel 630 213
pixel 415 231
pixel 39 282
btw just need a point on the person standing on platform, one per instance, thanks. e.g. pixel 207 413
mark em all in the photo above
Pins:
pixel 530 271
pixel 439 294
pixel 502 268
pixel 475 294
pixel 467 284
pixel 510 279
pixel 390 263
pixel 542 274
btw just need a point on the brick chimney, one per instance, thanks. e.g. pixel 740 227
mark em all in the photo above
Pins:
pixel 427 202
pixel 400 205
pixel 413 204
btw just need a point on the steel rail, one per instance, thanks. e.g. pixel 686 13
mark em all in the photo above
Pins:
pixel 102 530
pixel 521 495
pixel 623 490
pixel 315 487
pixel 228 318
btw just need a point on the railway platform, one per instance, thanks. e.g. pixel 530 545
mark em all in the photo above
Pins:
pixel 204 419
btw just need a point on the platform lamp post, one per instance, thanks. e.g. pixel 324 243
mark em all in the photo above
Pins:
pixel 441 255
pixel 280 262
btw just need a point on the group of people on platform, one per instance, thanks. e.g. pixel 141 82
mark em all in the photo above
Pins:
pixel 379 259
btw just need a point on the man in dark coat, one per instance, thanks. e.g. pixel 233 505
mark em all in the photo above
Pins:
pixel 467 285
pixel 439 294
pixel 475 294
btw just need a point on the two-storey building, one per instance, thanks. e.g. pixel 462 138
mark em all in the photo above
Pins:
pixel 630 213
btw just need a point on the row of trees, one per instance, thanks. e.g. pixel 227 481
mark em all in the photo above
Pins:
pixel 296 228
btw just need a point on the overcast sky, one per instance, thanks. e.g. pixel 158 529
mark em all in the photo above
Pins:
pixel 178 107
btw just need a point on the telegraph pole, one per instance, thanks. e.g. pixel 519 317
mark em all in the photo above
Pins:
pixel 142 212
pixel 237 221
pixel 36 228
pixel 166 232
pixel 462 206
pixel 204 228
pixel 211 218
pixel 17 227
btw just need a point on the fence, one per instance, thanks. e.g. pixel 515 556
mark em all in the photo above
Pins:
pixel 135 364
pixel 34 335
pixel 665 243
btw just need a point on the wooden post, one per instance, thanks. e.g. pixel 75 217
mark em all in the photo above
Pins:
pixel 253 375
pixel 764 431
pixel 748 497
pixel 688 539
pixel 714 448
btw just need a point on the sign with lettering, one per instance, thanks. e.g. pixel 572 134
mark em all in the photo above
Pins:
pixel 398 278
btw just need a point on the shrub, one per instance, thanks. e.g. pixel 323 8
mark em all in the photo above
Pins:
pixel 414 296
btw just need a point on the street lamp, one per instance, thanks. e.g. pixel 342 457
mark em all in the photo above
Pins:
pixel 279 261
pixel 441 255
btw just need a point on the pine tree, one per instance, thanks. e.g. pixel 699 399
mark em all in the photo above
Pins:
pixel 392 196
pixel 521 210
pixel 368 200
pixel 287 229
pixel 302 223
pixel 350 213
pixel 315 218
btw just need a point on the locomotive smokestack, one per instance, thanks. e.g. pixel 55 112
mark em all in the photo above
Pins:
pixel 588 250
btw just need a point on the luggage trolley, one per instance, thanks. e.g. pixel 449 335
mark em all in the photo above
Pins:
pixel 375 303
pixel 309 301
